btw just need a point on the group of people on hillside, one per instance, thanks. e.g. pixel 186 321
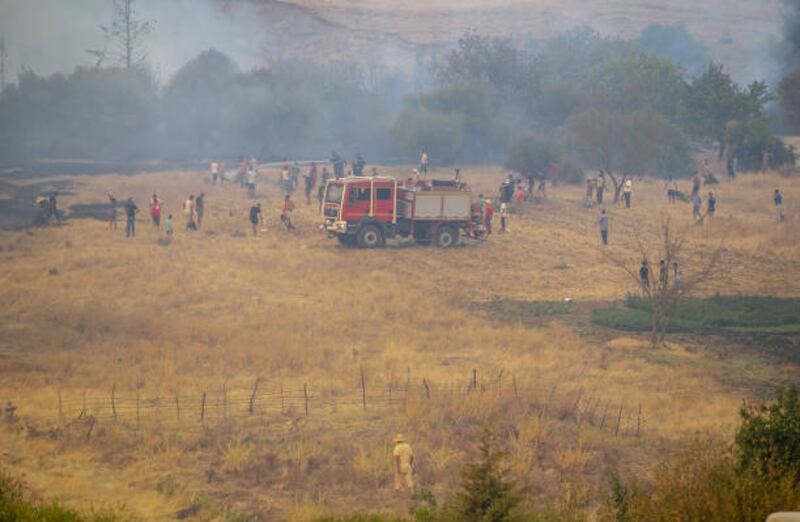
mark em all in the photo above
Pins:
pixel 663 276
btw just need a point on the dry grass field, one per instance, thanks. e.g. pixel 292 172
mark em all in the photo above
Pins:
pixel 83 311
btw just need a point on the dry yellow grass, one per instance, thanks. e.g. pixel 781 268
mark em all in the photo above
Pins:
pixel 213 312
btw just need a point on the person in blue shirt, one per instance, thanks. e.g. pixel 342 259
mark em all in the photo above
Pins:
pixel 778 199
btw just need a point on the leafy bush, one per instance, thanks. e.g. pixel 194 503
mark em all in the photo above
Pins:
pixel 769 438
pixel 748 141
pixel 701 482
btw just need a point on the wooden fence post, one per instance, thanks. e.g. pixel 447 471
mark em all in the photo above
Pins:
pixel 92 421
pixel 363 391
pixel 177 406
pixel 113 400
pixel 427 388
pixel 514 382
pixel 203 409
pixel 305 397
pixel 253 397
pixel 619 420
pixel 639 420
pixel 474 378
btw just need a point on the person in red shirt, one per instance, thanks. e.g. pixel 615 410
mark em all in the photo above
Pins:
pixel 488 215
pixel 155 211
pixel 286 212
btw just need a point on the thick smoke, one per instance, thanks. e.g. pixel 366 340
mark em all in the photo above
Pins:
pixel 49 36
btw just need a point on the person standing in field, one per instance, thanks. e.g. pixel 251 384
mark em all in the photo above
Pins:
pixel 130 212
pixel 676 276
pixel 188 211
pixel 671 196
pixel 256 218
pixel 711 204
pixel 169 227
pixel 423 162
pixel 778 200
pixel 589 200
pixel 696 181
pixel 155 211
pixel 251 181
pixel 214 171
pixel 52 208
pixel 286 212
pixel 503 214
pixel 309 186
pixel 553 171
pixel 644 276
pixel 696 204
pixel 519 196
pixel 627 188
pixel 731 167
pixel 112 215
pixel 663 275
pixel 200 208
pixel 488 215
pixel 603 221
pixel 403 457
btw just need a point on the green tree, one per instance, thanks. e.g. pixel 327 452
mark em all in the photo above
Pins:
pixel 749 139
pixel 769 438
pixel 713 100
pixel 451 122
pixel 487 493
pixel 624 145
pixel 530 155
pixel 636 81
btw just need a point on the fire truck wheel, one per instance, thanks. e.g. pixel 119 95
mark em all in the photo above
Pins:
pixel 370 236
pixel 446 236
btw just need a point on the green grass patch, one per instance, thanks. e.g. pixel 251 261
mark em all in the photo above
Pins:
pixel 719 314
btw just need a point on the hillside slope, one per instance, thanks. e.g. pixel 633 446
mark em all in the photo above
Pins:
pixel 388 32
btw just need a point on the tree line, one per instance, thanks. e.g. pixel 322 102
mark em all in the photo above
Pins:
pixel 627 107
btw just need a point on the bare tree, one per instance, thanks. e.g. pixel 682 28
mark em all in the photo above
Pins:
pixel 125 37
pixel 662 290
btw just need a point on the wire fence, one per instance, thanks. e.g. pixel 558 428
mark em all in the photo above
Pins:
pixel 265 401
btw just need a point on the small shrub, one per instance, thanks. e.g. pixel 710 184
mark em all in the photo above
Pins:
pixel 769 438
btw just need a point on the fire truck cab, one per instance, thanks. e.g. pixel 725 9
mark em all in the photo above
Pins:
pixel 366 211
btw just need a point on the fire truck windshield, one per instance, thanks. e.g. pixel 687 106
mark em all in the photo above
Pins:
pixel 334 193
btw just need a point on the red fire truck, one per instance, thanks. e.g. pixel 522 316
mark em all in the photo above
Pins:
pixel 367 211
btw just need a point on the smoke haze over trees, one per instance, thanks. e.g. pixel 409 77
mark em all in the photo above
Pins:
pixel 631 107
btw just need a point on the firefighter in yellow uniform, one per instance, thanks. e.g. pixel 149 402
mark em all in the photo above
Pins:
pixel 403 464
